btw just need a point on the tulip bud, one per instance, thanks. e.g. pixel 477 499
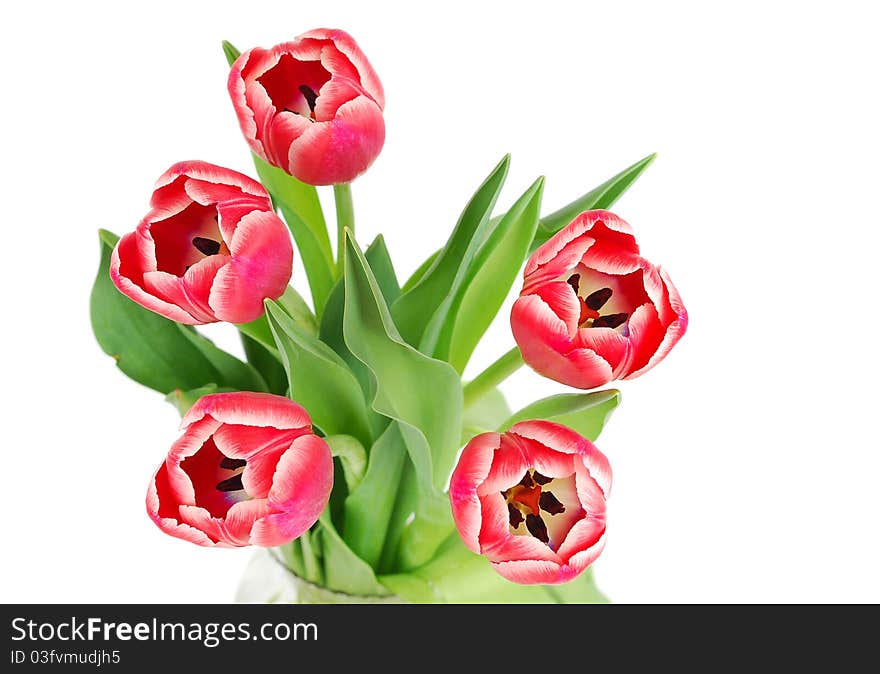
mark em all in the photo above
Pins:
pixel 248 470
pixel 311 107
pixel 592 309
pixel 210 249
pixel 532 500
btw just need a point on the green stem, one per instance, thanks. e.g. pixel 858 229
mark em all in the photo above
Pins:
pixel 344 218
pixel 493 375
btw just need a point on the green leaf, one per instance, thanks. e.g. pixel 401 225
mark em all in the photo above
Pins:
pixel 421 271
pixel 155 351
pixel 420 312
pixel 486 414
pixel 301 209
pixel 369 506
pixel 183 400
pixel 603 196
pixel 319 379
pixel 423 394
pixel 330 330
pixel 585 413
pixel 295 306
pixel 489 278
pixel 231 52
pixel 267 363
pixel 458 576
pixel 351 454
pixel 344 571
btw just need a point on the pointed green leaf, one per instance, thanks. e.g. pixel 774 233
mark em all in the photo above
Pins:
pixel 344 571
pixel 369 506
pixel 458 576
pixel 603 196
pixel 421 271
pixel 319 379
pixel 489 279
pixel 231 52
pixel 585 413
pixel 420 312
pixel 331 320
pixel 351 454
pixel 155 351
pixel 423 394
pixel 267 363
pixel 183 400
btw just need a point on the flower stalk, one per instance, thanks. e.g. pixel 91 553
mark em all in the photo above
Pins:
pixel 492 376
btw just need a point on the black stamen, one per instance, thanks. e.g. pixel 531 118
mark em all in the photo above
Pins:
pixel 549 503
pixel 514 515
pixel 540 479
pixel 232 484
pixel 598 299
pixel 527 480
pixel 310 96
pixel 537 528
pixel 610 321
pixel 574 281
pixel 206 246
pixel 232 464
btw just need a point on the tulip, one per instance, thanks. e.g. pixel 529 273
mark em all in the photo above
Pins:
pixel 532 500
pixel 592 309
pixel 210 249
pixel 248 470
pixel 311 107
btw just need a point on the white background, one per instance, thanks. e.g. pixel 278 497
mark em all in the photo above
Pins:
pixel 746 465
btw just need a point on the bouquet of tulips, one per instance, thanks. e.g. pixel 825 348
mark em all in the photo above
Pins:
pixel 336 446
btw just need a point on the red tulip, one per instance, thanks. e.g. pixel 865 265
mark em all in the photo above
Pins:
pixel 312 106
pixel 247 471
pixel 210 249
pixel 532 500
pixel 592 309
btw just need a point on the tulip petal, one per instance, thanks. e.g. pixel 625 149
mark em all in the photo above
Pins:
pixel 241 518
pixel 472 468
pixel 614 347
pixel 538 329
pixel 583 536
pixel 346 45
pixel 201 519
pixel 163 510
pixel 261 264
pixel 555 259
pixel 509 464
pixel 300 491
pixel 317 157
pixel 251 409
pixel 530 571
pixel 579 561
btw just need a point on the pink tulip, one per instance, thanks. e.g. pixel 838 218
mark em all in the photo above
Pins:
pixel 592 309
pixel 210 249
pixel 532 500
pixel 312 106
pixel 247 471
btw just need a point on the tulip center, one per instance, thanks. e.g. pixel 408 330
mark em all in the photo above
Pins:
pixel 187 238
pixel 543 507
pixel 216 479
pixel 294 85
pixel 593 303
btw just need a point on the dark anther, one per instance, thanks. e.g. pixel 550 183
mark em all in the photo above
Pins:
pixel 574 281
pixel 232 484
pixel 515 515
pixel 598 299
pixel 527 480
pixel 232 464
pixel 549 503
pixel 541 479
pixel 537 528
pixel 610 321
pixel 310 96
pixel 206 246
